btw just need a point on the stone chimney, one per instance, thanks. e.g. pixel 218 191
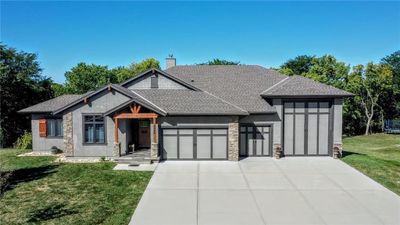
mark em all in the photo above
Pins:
pixel 171 61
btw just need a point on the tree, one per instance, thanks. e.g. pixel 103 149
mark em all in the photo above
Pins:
pixel 391 102
pixel 370 83
pixel 124 73
pixel 325 69
pixel 21 85
pixel 220 62
pixel 83 78
pixel 297 66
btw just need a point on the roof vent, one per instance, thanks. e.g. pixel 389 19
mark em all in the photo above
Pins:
pixel 171 61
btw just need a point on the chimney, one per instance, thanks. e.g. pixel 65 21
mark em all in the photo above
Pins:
pixel 171 61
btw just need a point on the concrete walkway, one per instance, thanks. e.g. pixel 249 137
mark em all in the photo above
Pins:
pixel 256 191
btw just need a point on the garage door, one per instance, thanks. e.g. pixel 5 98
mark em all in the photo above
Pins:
pixel 201 144
pixel 307 128
pixel 255 140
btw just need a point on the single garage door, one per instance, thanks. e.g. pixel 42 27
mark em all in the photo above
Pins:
pixel 255 140
pixel 307 128
pixel 201 144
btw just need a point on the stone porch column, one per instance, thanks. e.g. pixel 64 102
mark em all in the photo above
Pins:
pixel 233 139
pixel 68 134
pixel 154 141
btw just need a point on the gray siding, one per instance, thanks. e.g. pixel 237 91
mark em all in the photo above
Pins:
pixel 163 83
pixel 40 143
pixel 269 119
pixel 337 120
pixel 99 104
pixel 191 121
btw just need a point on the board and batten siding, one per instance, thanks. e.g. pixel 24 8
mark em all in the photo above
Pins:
pixel 43 143
pixel 163 83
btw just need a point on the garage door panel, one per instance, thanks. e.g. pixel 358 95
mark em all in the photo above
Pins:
pixel 312 134
pixel 299 134
pixel 243 144
pixel 203 147
pixel 323 134
pixel 288 136
pixel 219 147
pixel 186 147
pixel 170 149
pixel 266 144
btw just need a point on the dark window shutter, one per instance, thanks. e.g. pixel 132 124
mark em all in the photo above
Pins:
pixel 42 128
pixel 154 82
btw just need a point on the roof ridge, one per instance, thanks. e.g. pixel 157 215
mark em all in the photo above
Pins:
pixel 276 85
pixel 226 102
pixel 148 101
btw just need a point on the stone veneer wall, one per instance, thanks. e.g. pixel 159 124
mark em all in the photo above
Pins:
pixel 68 134
pixel 233 140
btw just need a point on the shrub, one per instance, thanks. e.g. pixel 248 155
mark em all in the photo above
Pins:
pixel 54 150
pixel 103 158
pixel 4 180
pixel 24 142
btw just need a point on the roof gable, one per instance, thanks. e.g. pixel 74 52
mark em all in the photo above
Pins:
pixel 142 80
pixel 133 97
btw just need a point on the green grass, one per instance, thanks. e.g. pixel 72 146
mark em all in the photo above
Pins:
pixel 377 156
pixel 44 192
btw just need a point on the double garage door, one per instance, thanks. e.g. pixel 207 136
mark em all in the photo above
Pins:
pixel 307 128
pixel 195 143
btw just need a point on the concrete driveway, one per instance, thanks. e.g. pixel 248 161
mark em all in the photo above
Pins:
pixel 256 191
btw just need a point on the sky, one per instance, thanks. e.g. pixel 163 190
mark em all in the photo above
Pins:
pixel 263 33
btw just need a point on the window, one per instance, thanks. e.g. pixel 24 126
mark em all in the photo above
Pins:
pixel 94 129
pixel 54 127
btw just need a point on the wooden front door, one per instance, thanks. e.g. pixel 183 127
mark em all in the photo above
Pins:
pixel 144 134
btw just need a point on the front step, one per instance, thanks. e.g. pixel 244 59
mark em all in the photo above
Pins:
pixel 133 160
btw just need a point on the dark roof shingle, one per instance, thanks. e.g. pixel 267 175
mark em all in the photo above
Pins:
pixel 185 102
pixel 238 84
pixel 51 104
pixel 301 86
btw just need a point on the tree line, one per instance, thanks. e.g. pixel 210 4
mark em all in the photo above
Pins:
pixel 376 86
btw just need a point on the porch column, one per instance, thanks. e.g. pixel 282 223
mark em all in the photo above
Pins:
pixel 154 141
pixel 116 148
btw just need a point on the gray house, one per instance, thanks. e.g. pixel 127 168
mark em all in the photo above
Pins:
pixel 195 112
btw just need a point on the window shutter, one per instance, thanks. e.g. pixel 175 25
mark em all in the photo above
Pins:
pixel 42 128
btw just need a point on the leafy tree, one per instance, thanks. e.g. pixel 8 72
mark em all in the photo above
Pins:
pixel 83 78
pixel 391 102
pixel 124 73
pixel 21 85
pixel 297 66
pixel 370 83
pixel 220 62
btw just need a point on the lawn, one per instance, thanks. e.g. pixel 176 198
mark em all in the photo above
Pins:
pixel 377 156
pixel 44 192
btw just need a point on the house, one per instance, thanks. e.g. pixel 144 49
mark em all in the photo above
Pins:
pixel 196 112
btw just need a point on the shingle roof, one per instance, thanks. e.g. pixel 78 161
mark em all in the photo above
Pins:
pixel 52 104
pixel 301 86
pixel 184 102
pixel 238 84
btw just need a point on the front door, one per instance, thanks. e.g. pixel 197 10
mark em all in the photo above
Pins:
pixel 144 134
